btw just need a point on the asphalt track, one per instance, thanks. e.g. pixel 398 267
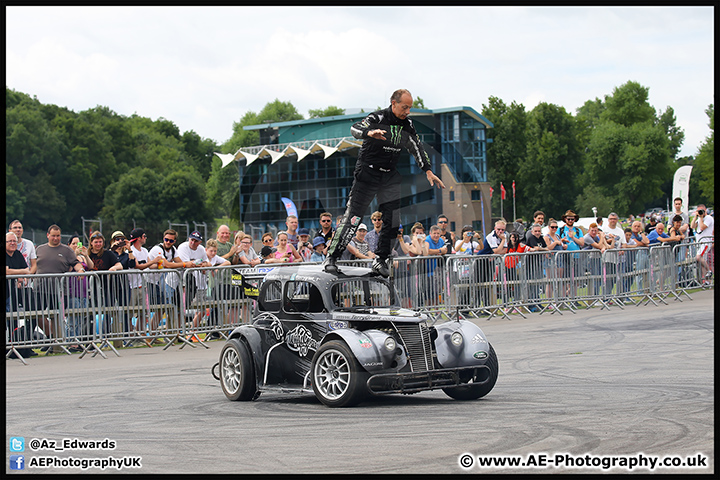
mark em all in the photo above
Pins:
pixel 610 384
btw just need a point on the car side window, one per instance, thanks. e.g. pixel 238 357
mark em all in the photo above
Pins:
pixel 271 297
pixel 302 297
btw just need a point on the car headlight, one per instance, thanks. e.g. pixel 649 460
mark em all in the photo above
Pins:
pixel 456 338
pixel 390 344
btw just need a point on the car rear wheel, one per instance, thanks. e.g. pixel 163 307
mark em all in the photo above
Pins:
pixel 473 391
pixel 237 376
pixel 337 378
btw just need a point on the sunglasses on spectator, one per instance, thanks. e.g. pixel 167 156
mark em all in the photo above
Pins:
pixel 267 240
pixel 97 235
pixel 444 221
pixel 554 226
pixel 325 221
pixel 499 229
pixel 169 240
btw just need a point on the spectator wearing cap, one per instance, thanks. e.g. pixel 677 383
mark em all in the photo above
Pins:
pixel 192 253
pixel 137 251
pixel 304 248
pixel 268 255
pixel 358 248
pixel 319 246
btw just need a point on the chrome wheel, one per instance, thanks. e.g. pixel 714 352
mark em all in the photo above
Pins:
pixel 237 376
pixel 332 374
pixel 337 378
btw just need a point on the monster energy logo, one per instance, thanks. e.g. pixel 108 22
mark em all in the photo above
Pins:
pixel 395 134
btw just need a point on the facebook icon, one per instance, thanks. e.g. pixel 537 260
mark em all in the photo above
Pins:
pixel 17 462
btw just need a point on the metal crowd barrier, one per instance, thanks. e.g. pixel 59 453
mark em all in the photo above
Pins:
pixel 90 311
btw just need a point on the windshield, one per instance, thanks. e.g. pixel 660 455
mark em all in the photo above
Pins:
pixel 361 293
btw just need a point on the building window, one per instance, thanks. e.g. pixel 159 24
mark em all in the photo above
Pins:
pixel 452 195
pixel 475 195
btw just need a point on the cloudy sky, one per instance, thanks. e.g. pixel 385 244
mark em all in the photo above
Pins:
pixel 204 68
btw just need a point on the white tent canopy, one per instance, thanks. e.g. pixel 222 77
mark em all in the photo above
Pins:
pixel 250 154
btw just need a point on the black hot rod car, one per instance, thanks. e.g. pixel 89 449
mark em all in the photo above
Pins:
pixel 344 336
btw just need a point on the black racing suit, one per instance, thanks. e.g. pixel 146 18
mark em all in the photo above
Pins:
pixel 376 174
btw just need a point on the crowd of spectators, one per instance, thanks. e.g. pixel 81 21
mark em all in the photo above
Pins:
pixel 294 244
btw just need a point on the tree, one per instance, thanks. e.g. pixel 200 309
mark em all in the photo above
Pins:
pixel 418 103
pixel 508 147
pixel 705 162
pixel 330 111
pixel 630 151
pixel 552 159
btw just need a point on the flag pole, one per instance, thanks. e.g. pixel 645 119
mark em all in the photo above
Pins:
pixel 514 214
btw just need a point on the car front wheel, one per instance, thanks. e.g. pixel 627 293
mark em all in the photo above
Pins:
pixel 237 376
pixel 337 378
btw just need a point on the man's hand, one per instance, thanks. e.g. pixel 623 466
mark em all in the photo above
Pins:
pixel 432 178
pixel 377 134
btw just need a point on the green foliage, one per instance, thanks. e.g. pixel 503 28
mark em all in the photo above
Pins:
pixel 508 148
pixel 553 158
pixel 704 168
pixel 330 111
pixel 62 165
pixel 418 103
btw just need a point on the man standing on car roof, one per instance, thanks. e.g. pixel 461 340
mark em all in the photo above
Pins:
pixel 383 133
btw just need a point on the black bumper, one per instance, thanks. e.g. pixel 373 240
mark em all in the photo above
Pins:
pixel 385 383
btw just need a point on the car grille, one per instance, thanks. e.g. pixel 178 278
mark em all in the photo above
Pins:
pixel 416 339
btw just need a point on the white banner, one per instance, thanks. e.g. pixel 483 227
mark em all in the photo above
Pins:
pixel 681 186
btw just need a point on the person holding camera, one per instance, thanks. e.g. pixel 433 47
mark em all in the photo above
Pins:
pixel 703 225
pixel 304 247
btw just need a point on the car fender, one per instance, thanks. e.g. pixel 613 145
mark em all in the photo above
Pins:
pixel 473 351
pixel 252 337
pixel 369 348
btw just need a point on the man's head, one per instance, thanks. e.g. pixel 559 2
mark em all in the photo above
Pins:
pixel 435 233
pixel 442 222
pixel 10 242
pixel 138 235
pixel 500 228
pixel 292 223
pixel 636 226
pixel 17 228
pixel 169 238
pixel 660 228
pixel 678 204
pixel 536 230
pixel 326 221
pixel 54 235
pixel 628 234
pixel 223 234
pixel 194 240
pixel 361 231
pixel 401 102
pixel 376 219
pixel 538 217
pixel 613 219
pixel 593 229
